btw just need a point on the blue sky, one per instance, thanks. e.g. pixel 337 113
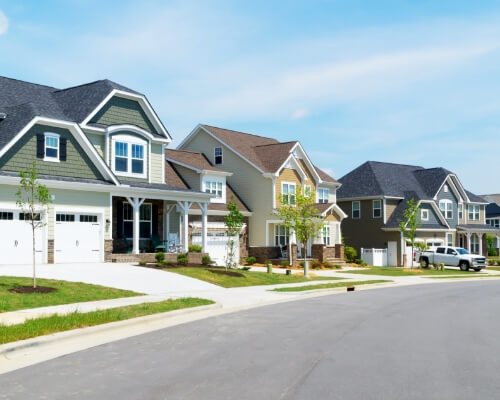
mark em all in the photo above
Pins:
pixel 413 82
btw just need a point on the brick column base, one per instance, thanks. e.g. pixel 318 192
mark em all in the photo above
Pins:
pixel 108 250
pixel 50 251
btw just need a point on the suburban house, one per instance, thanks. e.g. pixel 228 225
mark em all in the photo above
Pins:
pixel 263 171
pixel 100 149
pixel 493 214
pixel 191 170
pixel 375 195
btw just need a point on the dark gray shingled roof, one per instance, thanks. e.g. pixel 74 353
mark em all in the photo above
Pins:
pixel 475 227
pixel 375 178
pixel 492 210
pixel 22 101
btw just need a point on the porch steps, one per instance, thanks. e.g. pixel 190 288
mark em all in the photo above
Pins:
pixel 336 261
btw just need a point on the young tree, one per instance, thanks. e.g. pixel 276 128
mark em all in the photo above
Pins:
pixel 302 217
pixel 32 199
pixel 233 222
pixel 409 224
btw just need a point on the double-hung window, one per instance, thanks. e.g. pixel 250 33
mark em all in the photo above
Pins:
pixel 473 212
pixel 281 235
pixel 377 208
pixel 51 147
pixel 326 235
pixel 129 158
pixel 145 221
pixel 214 187
pixel 449 239
pixel 288 193
pixel 356 210
pixel 460 211
pixel 217 155
pixel 446 207
pixel 323 195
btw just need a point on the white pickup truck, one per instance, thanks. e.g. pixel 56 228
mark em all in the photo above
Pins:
pixel 452 256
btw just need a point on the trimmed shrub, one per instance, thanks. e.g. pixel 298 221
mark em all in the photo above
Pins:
pixel 302 264
pixel 350 254
pixel 284 263
pixel 182 259
pixel 250 260
pixel 168 263
pixel 194 248
pixel 206 260
pixel 245 268
pixel 160 256
pixel 316 265
pixel 142 263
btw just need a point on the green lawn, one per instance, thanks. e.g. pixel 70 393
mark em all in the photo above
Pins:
pixel 59 323
pixel 248 278
pixel 328 286
pixel 494 268
pixel 66 293
pixel 397 271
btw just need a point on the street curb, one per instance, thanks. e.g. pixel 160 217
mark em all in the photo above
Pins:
pixel 9 349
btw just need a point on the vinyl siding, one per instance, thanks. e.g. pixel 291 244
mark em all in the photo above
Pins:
pixel 157 163
pixel 286 175
pixel 191 177
pixel 449 195
pixel 433 218
pixel 254 189
pixel 390 206
pixel 23 153
pixel 98 141
pixel 123 111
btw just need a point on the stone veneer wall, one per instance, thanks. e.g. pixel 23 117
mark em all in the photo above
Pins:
pixel 262 254
pixel 50 251
pixel 323 253
pixel 194 258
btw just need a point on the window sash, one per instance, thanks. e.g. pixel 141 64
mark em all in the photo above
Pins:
pixel 446 208
pixel 326 235
pixel 288 193
pixel 377 208
pixel 281 235
pixel 129 160
pixel 356 210
pixel 323 195
pixel 51 146
pixel 424 215
pixel 145 221
pixel 474 212
pixel 218 155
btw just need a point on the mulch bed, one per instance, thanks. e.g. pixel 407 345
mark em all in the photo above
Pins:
pixel 228 273
pixel 31 289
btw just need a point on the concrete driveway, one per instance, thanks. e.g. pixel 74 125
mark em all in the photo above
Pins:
pixel 121 276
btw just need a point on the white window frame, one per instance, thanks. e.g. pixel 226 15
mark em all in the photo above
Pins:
pixel 129 141
pixel 57 137
pixel 127 204
pixel 449 239
pixel 323 194
pixel 214 186
pixel 474 212
pixel 424 214
pixel 288 194
pixel 221 155
pixel 326 235
pixel 445 188
pixel 460 210
pixel 358 210
pixel 446 208
pixel 379 208
pixel 278 235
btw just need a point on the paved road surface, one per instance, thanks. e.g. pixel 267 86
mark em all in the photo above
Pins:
pixel 414 342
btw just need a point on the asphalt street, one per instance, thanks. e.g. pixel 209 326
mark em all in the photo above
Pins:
pixel 412 342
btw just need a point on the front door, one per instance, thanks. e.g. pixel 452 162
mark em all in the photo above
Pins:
pixel 392 254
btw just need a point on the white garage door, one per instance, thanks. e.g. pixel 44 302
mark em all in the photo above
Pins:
pixel 16 239
pixel 77 237
pixel 216 246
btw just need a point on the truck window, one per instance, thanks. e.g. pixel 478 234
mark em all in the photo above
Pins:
pixel 440 250
pixel 451 251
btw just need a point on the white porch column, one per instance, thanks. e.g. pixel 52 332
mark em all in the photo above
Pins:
pixel 204 223
pixel 468 235
pixel 184 206
pixel 136 203
pixel 480 236
pixel 166 231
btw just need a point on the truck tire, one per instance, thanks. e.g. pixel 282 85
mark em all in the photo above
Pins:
pixel 477 269
pixel 424 262
pixel 464 265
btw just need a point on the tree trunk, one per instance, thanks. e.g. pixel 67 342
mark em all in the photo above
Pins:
pixel 33 234
pixel 306 267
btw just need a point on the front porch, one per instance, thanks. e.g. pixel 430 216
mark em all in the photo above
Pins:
pixel 473 237
pixel 143 225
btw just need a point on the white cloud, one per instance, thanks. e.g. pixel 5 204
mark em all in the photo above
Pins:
pixel 300 113
pixel 4 23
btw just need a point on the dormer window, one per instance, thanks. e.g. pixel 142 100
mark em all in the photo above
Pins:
pixel 323 195
pixel 217 155
pixel 214 187
pixel 129 156
pixel 51 147
pixel 446 208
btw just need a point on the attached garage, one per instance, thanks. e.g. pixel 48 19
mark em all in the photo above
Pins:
pixel 16 239
pixel 217 246
pixel 78 237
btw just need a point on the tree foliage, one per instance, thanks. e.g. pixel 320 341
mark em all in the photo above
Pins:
pixel 233 222
pixel 409 224
pixel 32 199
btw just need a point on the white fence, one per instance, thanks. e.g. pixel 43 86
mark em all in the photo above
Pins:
pixel 375 257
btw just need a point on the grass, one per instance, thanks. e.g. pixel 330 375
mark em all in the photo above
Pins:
pixel 250 278
pixel 328 286
pixel 66 293
pixel 397 271
pixel 58 323
pixel 494 268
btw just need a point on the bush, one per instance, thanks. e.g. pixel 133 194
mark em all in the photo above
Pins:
pixel 285 263
pixel 337 266
pixel 350 254
pixel 302 264
pixel 358 261
pixel 194 248
pixel 168 263
pixel 160 264
pixel 492 252
pixel 316 265
pixel 245 268
pixel 142 263
pixel 160 256
pixel 206 260
pixel 250 260
pixel 182 259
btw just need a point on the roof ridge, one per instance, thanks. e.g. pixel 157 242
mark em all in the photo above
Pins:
pixel 185 151
pixel 276 144
pixel 392 163
pixel 31 83
pixel 243 133
pixel 81 85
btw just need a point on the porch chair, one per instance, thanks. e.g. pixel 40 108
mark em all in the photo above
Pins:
pixel 157 244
